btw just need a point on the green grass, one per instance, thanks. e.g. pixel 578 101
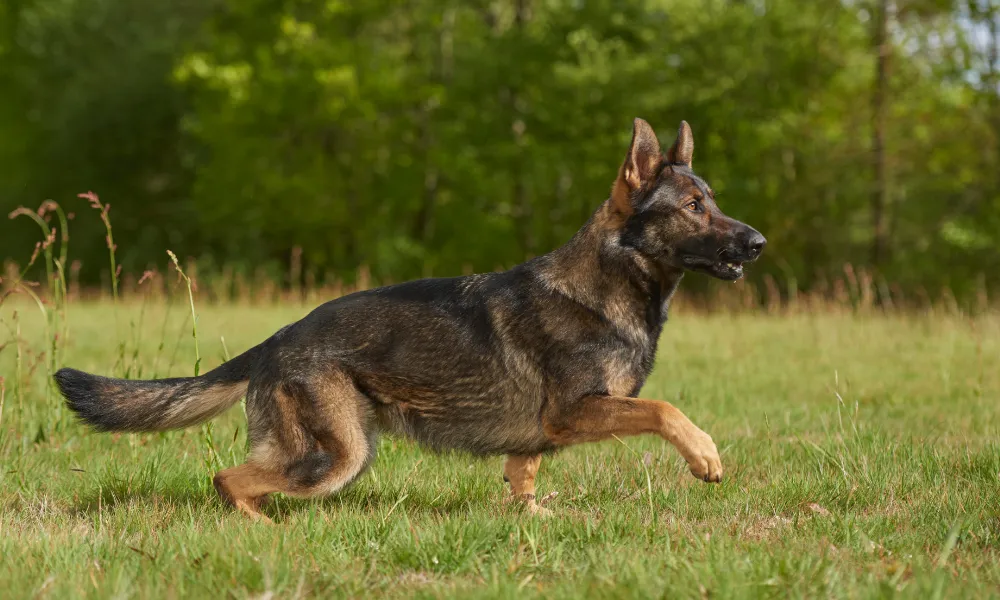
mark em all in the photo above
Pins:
pixel 862 460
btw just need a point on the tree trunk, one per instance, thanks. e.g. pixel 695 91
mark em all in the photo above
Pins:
pixel 880 193
pixel 423 229
pixel 994 75
pixel 522 205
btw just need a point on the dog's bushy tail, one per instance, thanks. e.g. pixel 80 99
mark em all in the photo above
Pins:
pixel 154 405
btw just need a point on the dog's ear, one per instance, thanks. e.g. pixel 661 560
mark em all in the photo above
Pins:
pixel 639 168
pixel 680 153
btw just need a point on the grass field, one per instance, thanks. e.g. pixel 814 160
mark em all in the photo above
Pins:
pixel 862 460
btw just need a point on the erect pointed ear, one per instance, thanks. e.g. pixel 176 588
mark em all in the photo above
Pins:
pixel 682 150
pixel 639 167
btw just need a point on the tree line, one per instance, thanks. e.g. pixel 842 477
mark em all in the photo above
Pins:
pixel 436 137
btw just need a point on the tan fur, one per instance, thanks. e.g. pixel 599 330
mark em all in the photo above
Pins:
pixel 338 429
pixel 573 275
pixel 621 198
pixel 520 471
pixel 599 418
pixel 347 439
pixel 638 170
pixel 245 487
pixel 682 150
pixel 204 405
pixel 619 376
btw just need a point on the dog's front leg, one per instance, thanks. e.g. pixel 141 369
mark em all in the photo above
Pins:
pixel 595 418
pixel 520 472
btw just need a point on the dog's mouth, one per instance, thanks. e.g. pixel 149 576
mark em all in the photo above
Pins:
pixel 727 269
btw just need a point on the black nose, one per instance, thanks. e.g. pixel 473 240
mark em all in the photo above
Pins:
pixel 755 244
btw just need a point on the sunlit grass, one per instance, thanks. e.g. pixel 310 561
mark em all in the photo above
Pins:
pixel 862 457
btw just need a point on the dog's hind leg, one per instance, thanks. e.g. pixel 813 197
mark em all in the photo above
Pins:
pixel 520 472
pixel 310 436
pixel 245 487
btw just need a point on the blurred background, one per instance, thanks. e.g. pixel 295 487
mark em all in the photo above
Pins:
pixel 304 139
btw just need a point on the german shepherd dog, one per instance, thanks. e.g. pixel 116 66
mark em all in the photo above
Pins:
pixel 548 354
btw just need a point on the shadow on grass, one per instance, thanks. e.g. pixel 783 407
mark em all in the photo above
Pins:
pixel 176 493
pixel 379 503
pixel 195 491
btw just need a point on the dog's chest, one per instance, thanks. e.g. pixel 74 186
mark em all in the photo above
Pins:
pixel 626 369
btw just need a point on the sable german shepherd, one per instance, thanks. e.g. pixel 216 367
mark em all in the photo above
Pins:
pixel 548 354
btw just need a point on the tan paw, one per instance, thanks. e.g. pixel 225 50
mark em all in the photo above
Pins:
pixel 702 456
pixel 252 510
pixel 533 507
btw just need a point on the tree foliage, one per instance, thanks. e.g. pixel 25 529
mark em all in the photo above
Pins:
pixel 430 137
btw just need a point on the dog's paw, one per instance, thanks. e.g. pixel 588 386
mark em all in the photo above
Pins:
pixel 532 507
pixel 701 455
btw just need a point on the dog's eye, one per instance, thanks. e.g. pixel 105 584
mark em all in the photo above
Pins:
pixel 693 206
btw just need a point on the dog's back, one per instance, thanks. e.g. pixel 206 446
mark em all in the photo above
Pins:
pixel 459 363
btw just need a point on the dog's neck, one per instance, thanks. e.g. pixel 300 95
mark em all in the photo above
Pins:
pixel 628 289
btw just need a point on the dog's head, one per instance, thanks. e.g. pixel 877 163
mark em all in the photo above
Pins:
pixel 668 214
